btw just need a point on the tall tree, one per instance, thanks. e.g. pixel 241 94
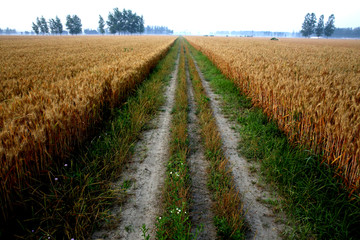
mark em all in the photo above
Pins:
pixel 133 20
pixel 77 24
pixel 319 30
pixel 73 24
pixel 111 22
pixel 43 25
pixel 330 26
pixel 35 27
pixel 115 21
pixel 53 26
pixel 59 25
pixel 69 24
pixel 38 23
pixel 308 26
pixel 125 22
pixel 101 25
pixel 141 25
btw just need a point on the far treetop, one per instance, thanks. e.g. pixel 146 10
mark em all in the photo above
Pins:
pixel 310 27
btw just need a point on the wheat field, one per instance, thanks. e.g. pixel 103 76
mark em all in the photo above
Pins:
pixel 311 87
pixel 54 90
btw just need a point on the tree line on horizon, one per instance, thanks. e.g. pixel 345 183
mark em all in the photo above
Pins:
pixel 120 22
pixel 310 26
pixel 54 26
pixel 8 31
pixel 158 30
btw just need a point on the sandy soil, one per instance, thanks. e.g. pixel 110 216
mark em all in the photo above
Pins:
pixel 201 214
pixel 263 222
pixel 146 171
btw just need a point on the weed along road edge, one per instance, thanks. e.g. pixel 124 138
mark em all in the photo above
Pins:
pixel 145 173
pixel 201 214
pixel 261 218
pixel 147 170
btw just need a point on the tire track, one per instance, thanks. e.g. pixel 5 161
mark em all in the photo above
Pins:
pixel 201 214
pixel 261 219
pixel 146 171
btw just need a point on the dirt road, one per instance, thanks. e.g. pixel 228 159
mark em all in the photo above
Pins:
pixel 145 176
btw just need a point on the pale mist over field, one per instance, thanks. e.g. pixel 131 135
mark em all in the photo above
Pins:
pixel 187 16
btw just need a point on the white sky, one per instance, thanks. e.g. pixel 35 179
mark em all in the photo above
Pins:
pixel 196 16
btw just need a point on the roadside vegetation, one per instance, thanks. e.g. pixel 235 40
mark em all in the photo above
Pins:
pixel 229 219
pixel 318 205
pixel 309 88
pixel 73 197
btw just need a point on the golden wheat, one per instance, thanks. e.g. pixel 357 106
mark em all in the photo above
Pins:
pixel 310 86
pixel 55 89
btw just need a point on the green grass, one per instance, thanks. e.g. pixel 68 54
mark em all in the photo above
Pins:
pixel 316 203
pixel 73 197
pixel 229 219
pixel 174 222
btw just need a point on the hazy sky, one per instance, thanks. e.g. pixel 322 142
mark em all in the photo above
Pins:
pixel 196 16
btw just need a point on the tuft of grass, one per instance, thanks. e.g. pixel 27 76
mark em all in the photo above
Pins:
pixel 144 231
pixel 70 200
pixel 316 203
pixel 229 220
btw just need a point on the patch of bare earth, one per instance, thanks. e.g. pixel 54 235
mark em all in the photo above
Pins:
pixel 146 173
pixel 263 222
pixel 201 214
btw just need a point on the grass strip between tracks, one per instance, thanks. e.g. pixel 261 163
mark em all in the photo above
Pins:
pixel 318 205
pixel 229 219
pixel 71 199
pixel 174 222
